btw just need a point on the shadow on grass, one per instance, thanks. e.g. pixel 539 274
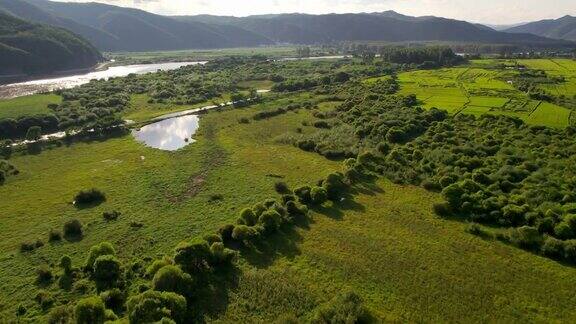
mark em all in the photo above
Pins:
pixel 262 253
pixel 213 299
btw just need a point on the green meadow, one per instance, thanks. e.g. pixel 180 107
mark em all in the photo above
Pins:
pixel 27 106
pixel 384 241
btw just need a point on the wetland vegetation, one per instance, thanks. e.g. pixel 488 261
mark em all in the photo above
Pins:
pixel 414 185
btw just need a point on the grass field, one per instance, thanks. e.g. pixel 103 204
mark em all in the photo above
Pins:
pixel 407 264
pixel 27 106
pixel 476 90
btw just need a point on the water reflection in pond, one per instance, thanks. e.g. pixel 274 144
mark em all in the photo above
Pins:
pixel 169 134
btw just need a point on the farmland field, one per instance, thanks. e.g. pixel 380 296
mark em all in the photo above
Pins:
pixel 482 88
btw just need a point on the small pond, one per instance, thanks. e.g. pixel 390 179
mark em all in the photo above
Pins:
pixel 169 134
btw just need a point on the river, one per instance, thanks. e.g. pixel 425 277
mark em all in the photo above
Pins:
pixel 20 89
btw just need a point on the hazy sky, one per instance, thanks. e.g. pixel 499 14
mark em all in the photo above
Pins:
pixel 485 11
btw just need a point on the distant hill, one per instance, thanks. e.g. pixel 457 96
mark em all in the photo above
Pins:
pixel 28 48
pixel 562 28
pixel 113 28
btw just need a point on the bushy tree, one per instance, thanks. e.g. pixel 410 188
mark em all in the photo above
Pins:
pixel 247 217
pixel 66 263
pixel 318 195
pixel 526 237
pixel 221 256
pixel 104 248
pixel 172 279
pixel 334 186
pixel 73 229
pixel 192 257
pixel 344 308
pixel 553 248
pixel 107 271
pixel 303 194
pixel 90 310
pixel 89 197
pixel 244 233
pixel 34 133
pixel 114 299
pixel 270 220
pixel 152 306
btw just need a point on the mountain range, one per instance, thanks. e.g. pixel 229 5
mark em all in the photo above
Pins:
pixel 562 28
pixel 113 28
pixel 30 48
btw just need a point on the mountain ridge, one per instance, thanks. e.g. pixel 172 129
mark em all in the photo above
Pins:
pixel 113 28
pixel 30 48
pixel 561 28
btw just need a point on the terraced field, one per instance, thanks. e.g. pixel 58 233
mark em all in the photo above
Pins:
pixel 482 89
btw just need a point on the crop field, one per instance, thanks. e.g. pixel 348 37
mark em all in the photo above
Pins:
pixel 556 67
pixel 482 89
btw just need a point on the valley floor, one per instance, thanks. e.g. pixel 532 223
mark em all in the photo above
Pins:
pixel 385 244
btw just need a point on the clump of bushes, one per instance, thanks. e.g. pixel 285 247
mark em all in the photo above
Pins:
pixel 31 246
pixel 54 235
pixel 44 299
pixel 281 187
pixel 90 310
pixel 44 274
pixel 89 197
pixel 344 308
pixel 73 229
pixel 111 215
pixel 153 306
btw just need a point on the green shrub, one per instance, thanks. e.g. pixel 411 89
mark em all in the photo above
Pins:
pixel 281 187
pixel 27 246
pixel 563 231
pixel 212 238
pixel 111 215
pixel 221 255
pixel 244 233
pixel 153 268
pixel 89 197
pixel 303 194
pixel 344 308
pixel 66 263
pixel 107 271
pixel 152 306
pixel 44 274
pixel 54 236
pixel 442 209
pixel 83 286
pixel 172 279
pixel 270 220
pixel 73 229
pixel 113 299
pixel 247 217
pixel 193 256
pixel 553 248
pixel 570 251
pixel 104 248
pixel 226 232
pixel 44 299
pixel 526 237
pixel 62 314
pixel 90 310
pixel 21 310
pixel 318 195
